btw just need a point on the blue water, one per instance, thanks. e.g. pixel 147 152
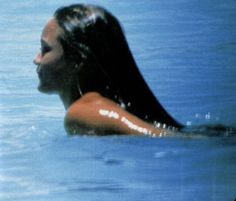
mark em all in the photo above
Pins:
pixel 186 51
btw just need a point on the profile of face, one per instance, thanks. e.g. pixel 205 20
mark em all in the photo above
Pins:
pixel 52 68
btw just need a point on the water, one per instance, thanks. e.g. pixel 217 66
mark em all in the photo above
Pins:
pixel 186 52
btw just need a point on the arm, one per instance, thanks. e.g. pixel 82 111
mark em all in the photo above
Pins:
pixel 94 114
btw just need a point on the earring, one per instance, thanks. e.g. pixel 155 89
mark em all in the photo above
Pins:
pixel 79 89
pixel 76 68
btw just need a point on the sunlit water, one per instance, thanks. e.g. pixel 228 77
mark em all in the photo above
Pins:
pixel 186 51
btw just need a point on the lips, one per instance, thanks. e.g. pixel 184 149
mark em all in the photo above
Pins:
pixel 39 71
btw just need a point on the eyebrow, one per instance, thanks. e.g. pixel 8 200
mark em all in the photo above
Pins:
pixel 43 42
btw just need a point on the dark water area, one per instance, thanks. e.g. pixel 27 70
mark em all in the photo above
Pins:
pixel 185 51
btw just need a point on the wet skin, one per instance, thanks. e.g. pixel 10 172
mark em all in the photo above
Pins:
pixel 91 113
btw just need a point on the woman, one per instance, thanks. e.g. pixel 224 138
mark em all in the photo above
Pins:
pixel 86 60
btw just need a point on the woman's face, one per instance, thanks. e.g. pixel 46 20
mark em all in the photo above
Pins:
pixel 51 65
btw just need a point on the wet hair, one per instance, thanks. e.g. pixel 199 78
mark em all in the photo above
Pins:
pixel 93 39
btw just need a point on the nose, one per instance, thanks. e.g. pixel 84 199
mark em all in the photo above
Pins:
pixel 37 59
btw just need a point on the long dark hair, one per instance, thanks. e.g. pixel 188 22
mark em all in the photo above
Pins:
pixel 94 40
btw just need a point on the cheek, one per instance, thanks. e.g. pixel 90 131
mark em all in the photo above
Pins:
pixel 52 70
pixel 52 63
pixel 52 60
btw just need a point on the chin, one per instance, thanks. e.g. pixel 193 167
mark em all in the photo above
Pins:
pixel 46 89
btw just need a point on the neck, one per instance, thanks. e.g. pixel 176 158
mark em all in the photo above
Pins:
pixel 69 96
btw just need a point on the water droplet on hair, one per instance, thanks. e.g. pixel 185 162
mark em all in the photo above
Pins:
pixel 122 105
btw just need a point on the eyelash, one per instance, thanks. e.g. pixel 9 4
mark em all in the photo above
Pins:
pixel 45 49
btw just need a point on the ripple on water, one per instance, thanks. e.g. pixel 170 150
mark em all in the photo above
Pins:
pixel 98 186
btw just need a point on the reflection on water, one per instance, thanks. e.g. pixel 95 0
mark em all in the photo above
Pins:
pixel 186 52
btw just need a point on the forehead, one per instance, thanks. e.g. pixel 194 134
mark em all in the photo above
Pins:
pixel 51 31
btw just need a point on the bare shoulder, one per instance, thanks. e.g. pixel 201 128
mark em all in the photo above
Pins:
pixel 95 114
pixel 91 99
pixel 82 115
pixel 82 106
